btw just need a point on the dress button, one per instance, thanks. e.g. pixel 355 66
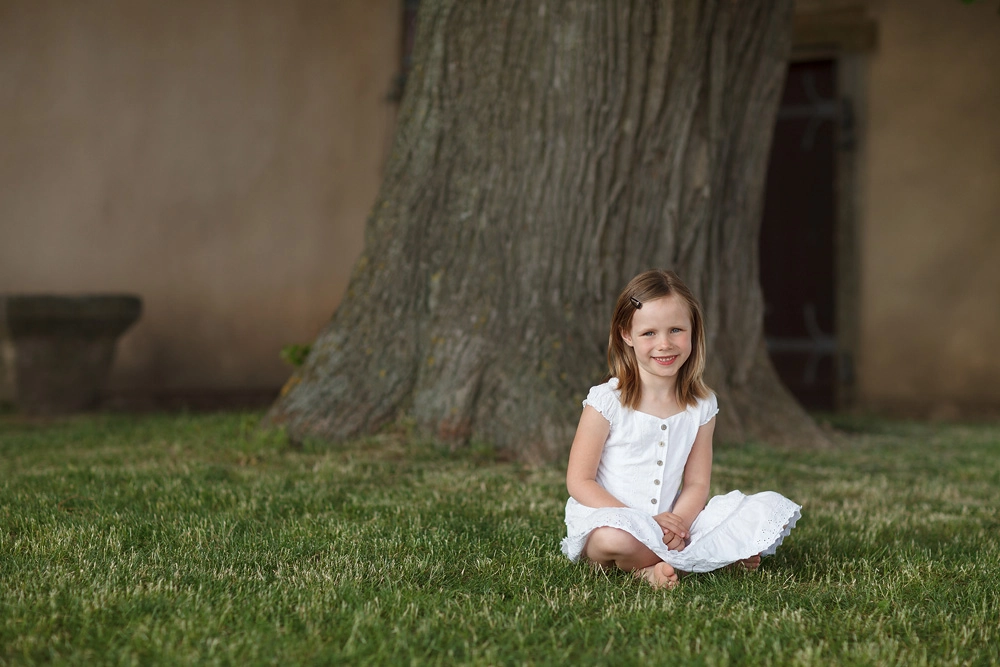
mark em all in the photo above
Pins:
pixel 653 500
pixel 663 427
pixel 656 481
pixel 662 444
pixel 659 463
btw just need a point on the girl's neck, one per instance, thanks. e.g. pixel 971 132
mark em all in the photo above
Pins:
pixel 659 398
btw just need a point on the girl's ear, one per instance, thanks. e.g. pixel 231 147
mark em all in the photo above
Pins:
pixel 626 337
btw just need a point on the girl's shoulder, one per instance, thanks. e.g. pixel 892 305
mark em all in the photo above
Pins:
pixel 605 399
pixel 706 408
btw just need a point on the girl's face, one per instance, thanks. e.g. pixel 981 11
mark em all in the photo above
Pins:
pixel 660 336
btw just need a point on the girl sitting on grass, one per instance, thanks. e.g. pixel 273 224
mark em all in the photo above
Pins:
pixel 641 462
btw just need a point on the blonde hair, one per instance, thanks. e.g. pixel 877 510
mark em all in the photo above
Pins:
pixel 622 363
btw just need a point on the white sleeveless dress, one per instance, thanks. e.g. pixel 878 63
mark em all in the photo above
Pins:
pixel 643 466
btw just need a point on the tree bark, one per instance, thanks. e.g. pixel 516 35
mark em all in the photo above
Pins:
pixel 546 152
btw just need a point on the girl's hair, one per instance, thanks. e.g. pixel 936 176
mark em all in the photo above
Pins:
pixel 622 364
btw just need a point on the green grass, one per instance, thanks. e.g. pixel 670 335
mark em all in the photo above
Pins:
pixel 199 539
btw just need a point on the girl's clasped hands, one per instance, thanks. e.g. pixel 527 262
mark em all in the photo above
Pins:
pixel 675 533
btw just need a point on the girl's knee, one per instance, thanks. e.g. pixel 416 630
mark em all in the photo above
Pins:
pixel 608 543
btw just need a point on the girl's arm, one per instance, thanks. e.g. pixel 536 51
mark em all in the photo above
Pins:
pixel 584 457
pixel 697 476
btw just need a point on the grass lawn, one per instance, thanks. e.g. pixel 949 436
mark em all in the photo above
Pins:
pixel 199 539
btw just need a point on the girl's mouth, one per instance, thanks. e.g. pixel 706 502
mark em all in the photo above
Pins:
pixel 665 361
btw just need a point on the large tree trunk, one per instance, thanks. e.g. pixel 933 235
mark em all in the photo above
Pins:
pixel 546 152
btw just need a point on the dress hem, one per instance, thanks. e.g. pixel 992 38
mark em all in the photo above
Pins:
pixel 731 528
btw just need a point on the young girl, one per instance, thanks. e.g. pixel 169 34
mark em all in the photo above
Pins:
pixel 641 461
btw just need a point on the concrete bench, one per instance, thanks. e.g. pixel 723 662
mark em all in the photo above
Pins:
pixel 56 351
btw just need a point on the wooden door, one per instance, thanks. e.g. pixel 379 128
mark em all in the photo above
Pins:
pixel 798 235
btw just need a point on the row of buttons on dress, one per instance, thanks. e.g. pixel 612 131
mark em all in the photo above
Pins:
pixel 663 443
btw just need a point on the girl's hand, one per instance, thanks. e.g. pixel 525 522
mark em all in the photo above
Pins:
pixel 675 531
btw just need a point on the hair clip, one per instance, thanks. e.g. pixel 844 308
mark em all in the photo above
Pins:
pixel 635 302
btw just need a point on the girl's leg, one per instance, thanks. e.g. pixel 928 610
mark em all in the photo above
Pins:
pixel 607 547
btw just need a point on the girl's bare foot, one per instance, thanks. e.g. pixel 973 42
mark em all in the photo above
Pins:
pixel 748 564
pixel 661 575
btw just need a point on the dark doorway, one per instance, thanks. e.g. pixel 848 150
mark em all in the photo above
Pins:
pixel 798 235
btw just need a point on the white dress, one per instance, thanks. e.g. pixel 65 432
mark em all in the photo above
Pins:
pixel 643 466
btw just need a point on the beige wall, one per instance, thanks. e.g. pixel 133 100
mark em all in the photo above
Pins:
pixel 216 157
pixel 930 215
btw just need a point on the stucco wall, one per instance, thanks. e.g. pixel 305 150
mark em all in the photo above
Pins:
pixel 930 216
pixel 216 157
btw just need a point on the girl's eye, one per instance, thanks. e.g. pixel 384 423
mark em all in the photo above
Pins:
pixel 649 333
pixel 676 330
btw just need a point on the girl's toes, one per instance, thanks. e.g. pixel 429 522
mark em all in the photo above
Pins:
pixel 752 563
pixel 667 574
pixel 661 575
pixel 748 564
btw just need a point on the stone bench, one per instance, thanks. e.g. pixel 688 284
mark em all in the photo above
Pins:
pixel 56 351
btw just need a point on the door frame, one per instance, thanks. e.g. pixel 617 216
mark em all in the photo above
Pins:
pixel 842 31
